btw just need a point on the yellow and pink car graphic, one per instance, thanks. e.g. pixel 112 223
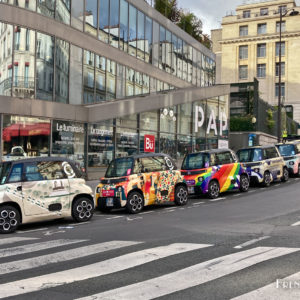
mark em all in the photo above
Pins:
pixel 141 180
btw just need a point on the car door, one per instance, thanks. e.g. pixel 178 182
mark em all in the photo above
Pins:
pixel 226 173
pixel 45 188
pixel 150 174
pixel 274 162
pixel 13 184
pixel 167 179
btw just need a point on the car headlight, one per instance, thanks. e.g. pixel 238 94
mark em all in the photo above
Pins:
pixel 200 179
pixel 119 189
pixel 256 170
pixel 291 163
pixel 98 190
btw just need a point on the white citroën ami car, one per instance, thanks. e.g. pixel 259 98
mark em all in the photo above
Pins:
pixel 40 189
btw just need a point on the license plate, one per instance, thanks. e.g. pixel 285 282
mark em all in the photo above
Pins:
pixel 190 182
pixel 191 190
pixel 109 193
pixel 110 202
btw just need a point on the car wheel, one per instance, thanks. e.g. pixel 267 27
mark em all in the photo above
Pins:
pixel 285 175
pixel 181 195
pixel 267 179
pixel 213 189
pixel 135 202
pixel 82 209
pixel 244 183
pixel 9 219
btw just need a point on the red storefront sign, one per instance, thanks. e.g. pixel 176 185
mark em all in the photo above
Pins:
pixel 149 143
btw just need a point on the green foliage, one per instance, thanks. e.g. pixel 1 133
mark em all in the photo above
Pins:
pixel 242 123
pixel 186 20
pixel 270 120
pixel 169 9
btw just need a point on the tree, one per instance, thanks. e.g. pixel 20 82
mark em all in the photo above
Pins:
pixel 168 8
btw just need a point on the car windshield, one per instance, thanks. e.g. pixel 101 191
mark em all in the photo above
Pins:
pixel 120 167
pixel 4 170
pixel 250 155
pixel 287 150
pixel 196 161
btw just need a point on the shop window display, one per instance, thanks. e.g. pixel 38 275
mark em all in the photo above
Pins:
pixel 25 137
pixel 68 140
pixel 100 144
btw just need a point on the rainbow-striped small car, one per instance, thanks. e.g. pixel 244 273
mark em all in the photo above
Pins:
pixel 213 172
pixel 291 155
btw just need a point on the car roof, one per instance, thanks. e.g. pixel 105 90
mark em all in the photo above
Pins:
pixel 258 147
pixel 40 158
pixel 141 155
pixel 213 151
pixel 289 143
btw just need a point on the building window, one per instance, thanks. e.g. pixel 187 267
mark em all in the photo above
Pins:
pixel 243 30
pixel 282 89
pixel 264 11
pixel 246 14
pixel 282 69
pixel 282 48
pixel 261 70
pixel 282 8
pixel 261 50
pixel 243 52
pixel 262 28
pixel 243 72
pixel 282 26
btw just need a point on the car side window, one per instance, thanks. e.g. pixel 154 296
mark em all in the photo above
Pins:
pixel 224 158
pixel 32 172
pixel 213 159
pixel 298 148
pixel 16 173
pixel 51 170
pixel 270 153
pixel 152 164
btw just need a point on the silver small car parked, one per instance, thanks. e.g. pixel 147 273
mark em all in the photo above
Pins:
pixel 40 189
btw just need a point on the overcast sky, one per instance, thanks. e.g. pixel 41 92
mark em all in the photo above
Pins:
pixel 211 11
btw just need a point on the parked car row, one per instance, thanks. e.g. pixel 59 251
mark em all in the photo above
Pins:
pixel 46 188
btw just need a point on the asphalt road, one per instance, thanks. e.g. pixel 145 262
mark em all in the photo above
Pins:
pixel 239 245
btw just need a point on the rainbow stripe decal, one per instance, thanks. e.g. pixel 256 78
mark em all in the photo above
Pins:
pixel 228 177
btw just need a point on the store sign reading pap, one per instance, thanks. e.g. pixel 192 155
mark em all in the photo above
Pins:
pixel 212 122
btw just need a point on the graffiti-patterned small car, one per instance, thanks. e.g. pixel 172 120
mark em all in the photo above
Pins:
pixel 213 172
pixel 264 164
pixel 41 189
pixel 291 154
pixel 136 181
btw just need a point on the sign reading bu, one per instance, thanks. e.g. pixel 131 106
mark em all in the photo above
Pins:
pixel 149 143
pixel 212 122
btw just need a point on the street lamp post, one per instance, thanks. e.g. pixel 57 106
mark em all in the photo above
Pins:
pixel 282 13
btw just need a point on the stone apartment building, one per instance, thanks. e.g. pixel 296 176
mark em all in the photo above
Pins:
pixel 247 46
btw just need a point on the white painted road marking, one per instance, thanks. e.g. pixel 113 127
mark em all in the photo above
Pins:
pixel 115 217
pixel 197 203
pixel 194 275
pixel 218 199
pixel 109 266
pixel 36 247
pixel 251 242
pixel 80 252
pixel 276 290
pixel 15 240
pixel 33 230
pixel 296 224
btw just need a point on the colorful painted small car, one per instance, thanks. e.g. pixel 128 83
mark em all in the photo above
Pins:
pixel 213 172
pixel 40 189
pixel 264 164
pixel 136 181
pixel 291 155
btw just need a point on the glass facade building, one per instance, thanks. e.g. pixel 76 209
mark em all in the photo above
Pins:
pixel 37 65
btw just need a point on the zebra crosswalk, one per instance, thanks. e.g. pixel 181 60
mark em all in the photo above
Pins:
pixel 126 256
